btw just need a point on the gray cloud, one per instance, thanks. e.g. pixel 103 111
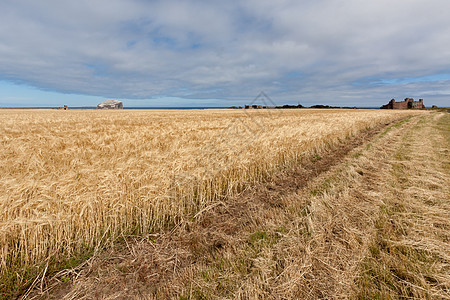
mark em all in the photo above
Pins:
pixel 330 51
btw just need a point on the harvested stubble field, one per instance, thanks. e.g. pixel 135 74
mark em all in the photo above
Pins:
pixel 72 181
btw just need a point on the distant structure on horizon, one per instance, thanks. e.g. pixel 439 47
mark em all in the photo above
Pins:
pixel 253 106
pixel 110 104
pixel 408 103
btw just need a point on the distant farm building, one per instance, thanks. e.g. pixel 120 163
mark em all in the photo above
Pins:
pixel 408 103
pixel 110 104
pixel 253 106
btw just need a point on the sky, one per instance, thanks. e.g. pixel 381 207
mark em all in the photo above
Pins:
pixel 222 53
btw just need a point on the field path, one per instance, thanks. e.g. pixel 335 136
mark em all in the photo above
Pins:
pixel 368 218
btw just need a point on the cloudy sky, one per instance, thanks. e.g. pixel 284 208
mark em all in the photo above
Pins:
pixel 222 53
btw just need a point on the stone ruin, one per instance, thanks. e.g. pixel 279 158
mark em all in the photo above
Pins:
pixel 408 103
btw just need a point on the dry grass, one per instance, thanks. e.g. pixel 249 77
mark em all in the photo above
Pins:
pixel 409 255
pixel 71 180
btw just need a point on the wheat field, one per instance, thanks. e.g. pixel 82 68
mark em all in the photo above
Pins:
pixel 71 180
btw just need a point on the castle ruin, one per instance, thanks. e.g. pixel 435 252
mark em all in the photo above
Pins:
pixel 408 103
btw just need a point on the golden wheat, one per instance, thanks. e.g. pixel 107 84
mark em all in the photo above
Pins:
pixel 70 177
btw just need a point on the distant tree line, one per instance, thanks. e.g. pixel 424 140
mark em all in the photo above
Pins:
pixel 328 106
pixel 288 106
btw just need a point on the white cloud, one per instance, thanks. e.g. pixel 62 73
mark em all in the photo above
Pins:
pixel 307 50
